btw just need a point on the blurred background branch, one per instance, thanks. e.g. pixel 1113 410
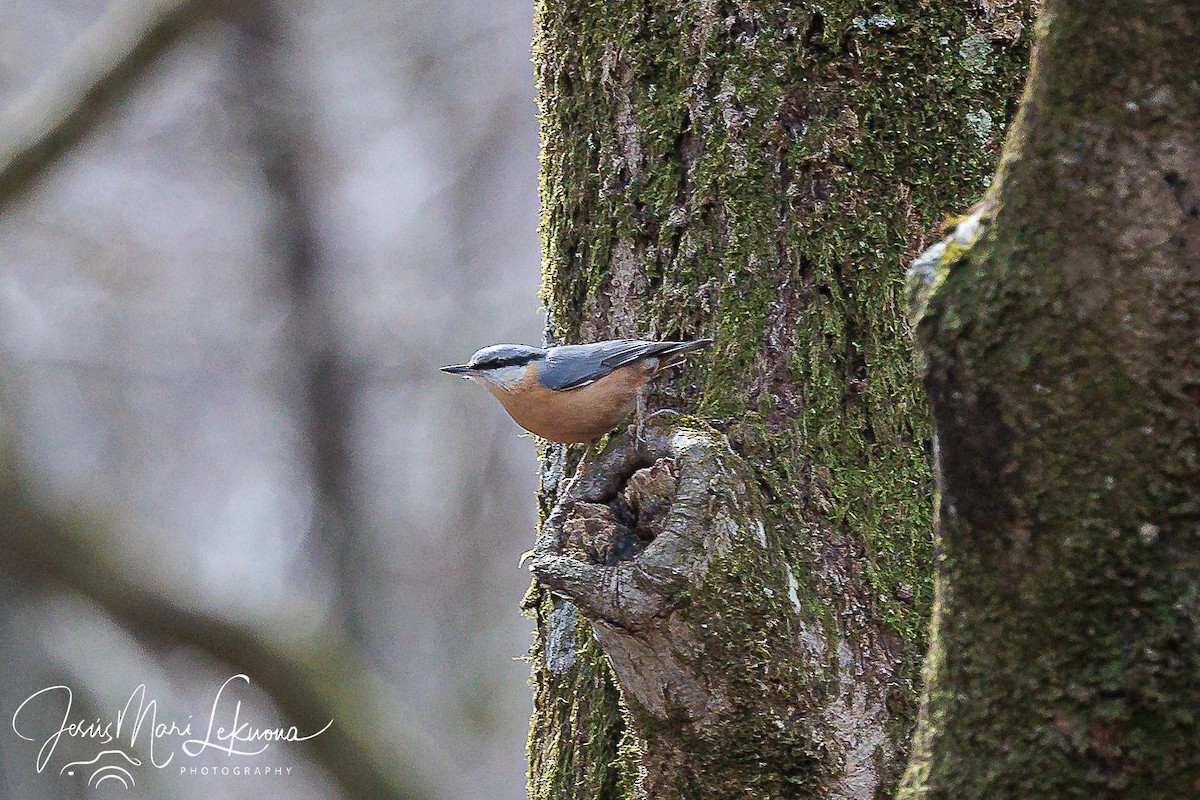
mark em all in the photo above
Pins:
pixel 105 64
pixel 324 399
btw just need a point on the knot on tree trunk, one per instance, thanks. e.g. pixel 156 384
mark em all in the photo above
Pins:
pixel 631 541
pixel 636 530
pixel 608 533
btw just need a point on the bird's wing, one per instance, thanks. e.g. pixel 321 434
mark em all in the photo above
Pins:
pixel 575 366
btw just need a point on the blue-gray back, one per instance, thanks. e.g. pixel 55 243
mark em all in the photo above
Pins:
pixel 576 365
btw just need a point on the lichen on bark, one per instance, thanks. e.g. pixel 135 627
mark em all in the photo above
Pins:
pixel 762 172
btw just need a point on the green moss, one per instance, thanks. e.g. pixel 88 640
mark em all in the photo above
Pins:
pixel 579 741
pixel 753 645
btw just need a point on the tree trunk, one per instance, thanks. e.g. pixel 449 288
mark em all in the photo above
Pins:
pixel 1063 350
pixel 759 172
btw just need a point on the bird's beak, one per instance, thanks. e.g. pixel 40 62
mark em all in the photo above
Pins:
pixel 457 369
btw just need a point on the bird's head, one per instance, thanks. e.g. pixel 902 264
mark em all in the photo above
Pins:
pixel 500 364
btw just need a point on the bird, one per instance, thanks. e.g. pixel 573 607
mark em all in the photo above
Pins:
pixel 573 393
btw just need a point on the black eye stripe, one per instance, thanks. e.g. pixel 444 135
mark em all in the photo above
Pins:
pixel 511 361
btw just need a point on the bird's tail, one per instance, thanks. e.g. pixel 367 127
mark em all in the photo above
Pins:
pixel 672 353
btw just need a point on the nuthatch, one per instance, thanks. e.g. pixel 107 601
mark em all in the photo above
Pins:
pixel 573 393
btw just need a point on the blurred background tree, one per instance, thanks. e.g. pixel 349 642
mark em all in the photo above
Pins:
pixel 236 241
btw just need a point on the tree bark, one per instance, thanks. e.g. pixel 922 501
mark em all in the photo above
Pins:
pixel 1063 349
pixel 739 603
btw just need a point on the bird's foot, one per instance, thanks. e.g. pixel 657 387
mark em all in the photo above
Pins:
pixel 640 419
pixel 637 430
pixel 589 455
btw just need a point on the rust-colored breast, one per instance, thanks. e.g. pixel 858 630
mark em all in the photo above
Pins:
pixel 577 415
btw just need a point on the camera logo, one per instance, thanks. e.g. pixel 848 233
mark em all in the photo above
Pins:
pixel 104 772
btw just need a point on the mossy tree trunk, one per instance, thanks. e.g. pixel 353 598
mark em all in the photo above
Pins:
pixel 1063 348
pixel 761 173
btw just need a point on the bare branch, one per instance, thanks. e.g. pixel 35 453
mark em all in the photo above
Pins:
pixel 103 67
pixel 313 676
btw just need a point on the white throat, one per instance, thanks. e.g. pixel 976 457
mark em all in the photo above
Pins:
pixel 504 377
